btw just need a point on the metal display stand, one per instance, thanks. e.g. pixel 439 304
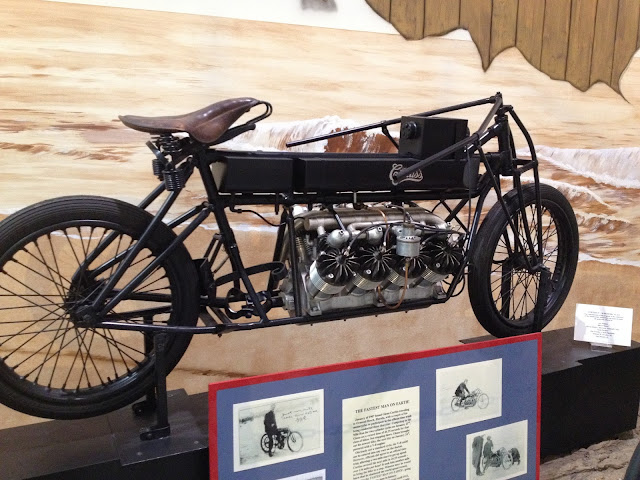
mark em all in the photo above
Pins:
pixel 156 398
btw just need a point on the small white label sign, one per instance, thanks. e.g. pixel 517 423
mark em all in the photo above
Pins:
pixel 603 325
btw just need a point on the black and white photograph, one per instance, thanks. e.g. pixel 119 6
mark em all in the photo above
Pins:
pixel 468 393
pixel 278 429
pixel 499 453
pixel 318 475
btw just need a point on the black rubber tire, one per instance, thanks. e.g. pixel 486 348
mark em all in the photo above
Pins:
pixel 560 236
pixel 264 443
pixel 46 232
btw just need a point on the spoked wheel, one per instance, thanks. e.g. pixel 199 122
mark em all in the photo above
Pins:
pixel 507 461
pixel 294 441
pixel 502 291
pixel 455 404
pixel 54 258
pixel 483 400
pixel 264 443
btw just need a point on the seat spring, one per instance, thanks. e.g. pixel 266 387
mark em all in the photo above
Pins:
pixel 169 144
pixel 174 179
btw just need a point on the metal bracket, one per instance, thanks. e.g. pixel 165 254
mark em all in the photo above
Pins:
pixel 161 429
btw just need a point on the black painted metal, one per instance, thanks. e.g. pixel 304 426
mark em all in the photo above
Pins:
pixel 161 428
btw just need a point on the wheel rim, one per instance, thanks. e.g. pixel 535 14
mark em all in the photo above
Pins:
pixel 264 443
pixel 43 279
pixel 294 441
pixel 455 404
pixel 513 289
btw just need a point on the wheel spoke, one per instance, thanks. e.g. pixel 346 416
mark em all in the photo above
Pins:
pixel 56 359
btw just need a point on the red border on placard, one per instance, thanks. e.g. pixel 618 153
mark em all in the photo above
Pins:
pixel 337 367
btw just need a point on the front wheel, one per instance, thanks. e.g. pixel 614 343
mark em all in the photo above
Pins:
pixel 483 400
pixel 507 461
pixel 502 291
pixel 294 441
pixel 55 257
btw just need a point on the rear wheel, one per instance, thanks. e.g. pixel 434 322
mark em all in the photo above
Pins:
pixel 54 257
pixel 502 291
pixel 264 443
pixel 455 404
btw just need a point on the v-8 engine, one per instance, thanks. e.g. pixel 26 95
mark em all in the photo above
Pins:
pixel 352 258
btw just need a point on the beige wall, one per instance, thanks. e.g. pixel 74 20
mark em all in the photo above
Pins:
pixel 69 70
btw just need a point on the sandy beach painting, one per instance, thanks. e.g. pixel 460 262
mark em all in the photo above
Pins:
pixel 69 70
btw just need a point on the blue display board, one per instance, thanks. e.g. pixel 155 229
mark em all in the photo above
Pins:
pixel 464 412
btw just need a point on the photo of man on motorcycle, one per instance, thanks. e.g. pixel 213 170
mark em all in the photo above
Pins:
pixel 462 392
pixel 487 452
pixel 271 428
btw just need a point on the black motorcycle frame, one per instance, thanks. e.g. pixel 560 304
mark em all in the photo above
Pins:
pixel 188 155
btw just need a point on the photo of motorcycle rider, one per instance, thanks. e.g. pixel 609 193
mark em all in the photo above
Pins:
pixel 271 428
pixel 487 452
pixel 462 392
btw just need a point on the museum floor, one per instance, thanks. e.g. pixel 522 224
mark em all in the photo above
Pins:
pixel 606 460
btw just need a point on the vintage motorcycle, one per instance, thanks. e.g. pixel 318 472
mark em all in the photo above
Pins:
pixel 292 439
pixel 501 458
pixel 474 398
pixel 87 283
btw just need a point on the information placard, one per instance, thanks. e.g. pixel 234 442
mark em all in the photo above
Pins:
pixel 603 325
pixel 464 412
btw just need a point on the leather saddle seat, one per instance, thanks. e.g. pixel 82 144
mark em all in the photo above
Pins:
pixel 205 125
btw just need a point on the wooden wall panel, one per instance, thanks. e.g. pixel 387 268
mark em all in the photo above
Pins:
pixel 604 41
pixel 504 20
pixel 475 15
pixel 583 16
pixel 555 38
pixel 530 26
pixel 382 8
pixel 626 39
pixel 408 17
pixel 581 41
pixel 441 16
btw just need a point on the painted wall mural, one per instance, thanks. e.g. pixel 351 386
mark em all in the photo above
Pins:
pixel 66 80
pixel 580 41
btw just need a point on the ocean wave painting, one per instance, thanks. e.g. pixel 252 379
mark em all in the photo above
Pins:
pixel 603 185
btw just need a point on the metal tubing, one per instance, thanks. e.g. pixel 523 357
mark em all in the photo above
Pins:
pixel 293 263
pixel 117 275
pixel 140 277
pixel 227 236
pixel 301 320
pixel 437 156
pixel 536 179
pixel 385 123
pixel 496 186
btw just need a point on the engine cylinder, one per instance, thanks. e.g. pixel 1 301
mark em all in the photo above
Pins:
pixel 318 287
pixel 330 273
pixel 375 264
